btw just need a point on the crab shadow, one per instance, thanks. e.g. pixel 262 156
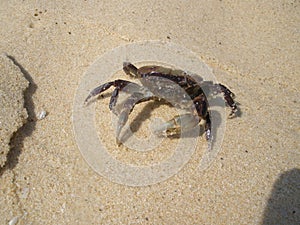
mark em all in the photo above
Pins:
pixel 16 141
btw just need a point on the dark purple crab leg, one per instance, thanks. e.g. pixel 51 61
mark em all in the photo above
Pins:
pixel 128 106
pixel 201 106
pixel 228 95
pixel 114 98
pixel 208 127
pixel 228 98
pixel 130 69
pixel 119 84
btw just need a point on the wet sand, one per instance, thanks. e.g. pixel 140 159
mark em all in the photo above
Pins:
pixel 253 48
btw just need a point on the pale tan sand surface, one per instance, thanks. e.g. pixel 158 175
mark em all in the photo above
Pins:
pixel 253 48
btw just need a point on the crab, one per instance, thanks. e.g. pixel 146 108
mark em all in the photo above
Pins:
pixel 177 87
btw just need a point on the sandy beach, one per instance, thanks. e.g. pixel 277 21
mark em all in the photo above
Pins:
pixel 252 47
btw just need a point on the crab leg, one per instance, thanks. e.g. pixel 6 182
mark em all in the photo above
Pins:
pixel 120 86
pixel 178 124
pixel 228 98
pixel 130 69
pixel 201 107
pixel 114 98
pixel 228 95
pixel 128 106
pixel 208 128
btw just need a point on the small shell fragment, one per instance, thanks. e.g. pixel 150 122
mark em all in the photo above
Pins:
pixel 24 192
pixel 42 115
pixel 14 220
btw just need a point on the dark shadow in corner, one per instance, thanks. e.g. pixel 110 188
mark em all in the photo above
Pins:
pixel 16 142
pixel 284 203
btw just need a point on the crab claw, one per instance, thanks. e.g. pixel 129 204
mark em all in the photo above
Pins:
pixel 121 122
pixel 179 124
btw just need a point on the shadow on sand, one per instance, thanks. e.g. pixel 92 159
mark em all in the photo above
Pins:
pixel 284 203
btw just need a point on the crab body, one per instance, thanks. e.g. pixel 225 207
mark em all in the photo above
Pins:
pixel 175 86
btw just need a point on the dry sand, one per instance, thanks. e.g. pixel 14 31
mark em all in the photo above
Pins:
pixel 253 48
